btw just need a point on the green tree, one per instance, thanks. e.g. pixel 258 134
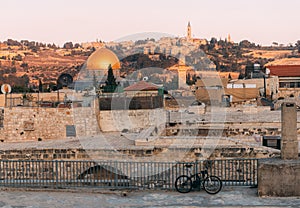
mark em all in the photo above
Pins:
pixel 110 83
pixel 68 45
pixel 40 86
pixel 188 79
pixel 298 45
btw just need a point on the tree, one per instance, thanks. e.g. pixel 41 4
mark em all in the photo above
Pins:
pixel 110 83
pixel 77 45
pixel 247 44
pixel 298 46
pixel 40 86
pixel 188 77
pixel 212 43
pixel 68 45
pixel 17 58
pixel 111 80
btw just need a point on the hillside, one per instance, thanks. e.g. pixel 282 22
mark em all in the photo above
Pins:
pixel 21 66
pixel 27 64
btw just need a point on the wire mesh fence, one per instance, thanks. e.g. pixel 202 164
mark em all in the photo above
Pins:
pixel 119 175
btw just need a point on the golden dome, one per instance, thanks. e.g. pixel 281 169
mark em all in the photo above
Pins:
pixel 101 59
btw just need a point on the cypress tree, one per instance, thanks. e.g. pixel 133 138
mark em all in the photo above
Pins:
pixel 110 83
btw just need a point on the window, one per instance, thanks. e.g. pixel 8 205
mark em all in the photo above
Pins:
pixel 70 131
pixel 289 83
pixel 284 85
pixel 292 84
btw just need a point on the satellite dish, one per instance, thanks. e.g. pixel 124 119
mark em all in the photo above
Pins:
pixel 145 78
pixel 64 80
pixel 6 89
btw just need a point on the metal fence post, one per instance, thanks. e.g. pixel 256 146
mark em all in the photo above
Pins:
pixel 56 173
pixel 196 166
pixel 116 174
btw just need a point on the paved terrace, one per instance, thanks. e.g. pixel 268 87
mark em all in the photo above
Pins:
pixel 228 197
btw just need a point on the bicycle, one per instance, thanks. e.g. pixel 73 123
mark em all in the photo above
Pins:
pixel 185 183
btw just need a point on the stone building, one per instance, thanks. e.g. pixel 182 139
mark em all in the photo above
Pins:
pixel 288 73
pixel 213 89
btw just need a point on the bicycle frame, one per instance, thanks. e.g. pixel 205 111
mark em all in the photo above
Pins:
pixel 198 177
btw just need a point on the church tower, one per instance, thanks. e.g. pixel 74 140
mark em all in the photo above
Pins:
pixel 189 32
pixel 229 38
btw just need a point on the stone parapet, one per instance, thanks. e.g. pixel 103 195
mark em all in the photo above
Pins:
pixel 278 178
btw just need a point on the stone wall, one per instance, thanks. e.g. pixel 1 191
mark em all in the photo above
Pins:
pixel 288 92
pixel 137 154
pixel 241 120
pixel 36 124
pixel 118 120
pixel 278 177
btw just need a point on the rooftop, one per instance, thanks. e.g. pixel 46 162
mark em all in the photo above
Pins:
pixel 142 86
pixel 285 70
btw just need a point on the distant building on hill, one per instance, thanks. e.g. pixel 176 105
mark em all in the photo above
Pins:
pixel 190 39
pixel 95 45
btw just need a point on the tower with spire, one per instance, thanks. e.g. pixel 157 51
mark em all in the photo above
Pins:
pixel 229 39
pixel 189 32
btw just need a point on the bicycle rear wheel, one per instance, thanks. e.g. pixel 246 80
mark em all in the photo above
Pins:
pixel 212 184
pixel 183 184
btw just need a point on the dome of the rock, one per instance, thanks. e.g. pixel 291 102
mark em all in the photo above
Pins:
pixel 101 59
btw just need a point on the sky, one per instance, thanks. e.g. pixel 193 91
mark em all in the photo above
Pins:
pixel 60 21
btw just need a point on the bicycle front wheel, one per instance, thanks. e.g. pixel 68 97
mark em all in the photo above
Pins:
pixel 183 184
pixel 212 184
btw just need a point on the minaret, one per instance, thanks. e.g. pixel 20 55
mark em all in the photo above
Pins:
pixel 189 32
pixel 181 72
pixel 229 39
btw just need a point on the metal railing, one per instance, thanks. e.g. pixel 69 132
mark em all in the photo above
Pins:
pixel 118 175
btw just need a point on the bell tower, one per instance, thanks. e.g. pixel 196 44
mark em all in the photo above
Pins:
pixel 189 32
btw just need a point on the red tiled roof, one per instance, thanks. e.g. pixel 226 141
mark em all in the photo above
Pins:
pixel 285 70
pixel 142 86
